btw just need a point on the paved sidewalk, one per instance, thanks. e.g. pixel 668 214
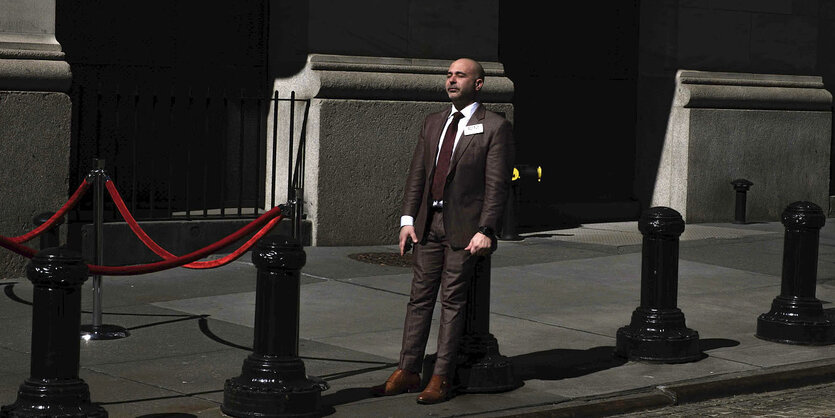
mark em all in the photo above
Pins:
pixel 558 298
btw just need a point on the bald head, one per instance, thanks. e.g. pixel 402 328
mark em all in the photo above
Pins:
pixel 475 65
pixel 464 80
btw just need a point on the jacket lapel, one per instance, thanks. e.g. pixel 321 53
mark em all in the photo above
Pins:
pixel 465 140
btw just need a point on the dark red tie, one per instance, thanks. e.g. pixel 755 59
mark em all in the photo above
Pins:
pixel 442 167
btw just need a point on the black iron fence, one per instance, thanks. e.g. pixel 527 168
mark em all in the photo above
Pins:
pixel 187 154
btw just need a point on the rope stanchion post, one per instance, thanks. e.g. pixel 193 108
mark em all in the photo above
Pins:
pixel 273 381
pixel 50 237
pixel 97 330
pixel 54 388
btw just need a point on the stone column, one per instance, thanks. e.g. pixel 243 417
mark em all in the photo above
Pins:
pixel 35 114
pixel 760 127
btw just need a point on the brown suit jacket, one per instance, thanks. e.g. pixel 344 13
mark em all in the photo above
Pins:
pixel 477 184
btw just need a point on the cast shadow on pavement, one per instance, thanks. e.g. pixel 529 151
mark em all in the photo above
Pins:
pixel 8 290
pixel 563 363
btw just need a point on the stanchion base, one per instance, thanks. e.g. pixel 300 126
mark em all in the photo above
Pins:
pixel 649 345
pixel 658 336
pixel 479 369
pixel 273 387
pixel 61 398
pixel 807 331
pixel 797 320
pixel 103 332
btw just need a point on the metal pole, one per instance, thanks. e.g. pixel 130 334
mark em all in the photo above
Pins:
pixel 98 239
pixel 96 330
pixel 298 205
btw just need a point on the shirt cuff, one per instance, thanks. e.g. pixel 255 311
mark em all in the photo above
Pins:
pixel 406 220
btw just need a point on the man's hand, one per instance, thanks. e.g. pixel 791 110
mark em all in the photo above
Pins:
pixel 407 232
pixel 479 244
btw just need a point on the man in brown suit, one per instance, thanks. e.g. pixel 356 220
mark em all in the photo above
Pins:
pixel 453 201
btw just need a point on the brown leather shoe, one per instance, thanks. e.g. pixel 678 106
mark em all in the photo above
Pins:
pixel 436 391
pixel 400 381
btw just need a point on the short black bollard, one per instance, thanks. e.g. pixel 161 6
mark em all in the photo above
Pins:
pixel 797 316
pixel 273 382
pixel 50 237
pixel 480 367
pixel 741 186
pixel 54 388
pixel 657 332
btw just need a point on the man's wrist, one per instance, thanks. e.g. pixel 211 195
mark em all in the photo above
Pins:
pixel 487 231
pixel 407 220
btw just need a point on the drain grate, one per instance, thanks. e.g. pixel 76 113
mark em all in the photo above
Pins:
pixel 384 259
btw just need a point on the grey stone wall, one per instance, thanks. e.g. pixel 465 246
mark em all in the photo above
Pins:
pixel 772 130
pixel 35 122
pixel 35 145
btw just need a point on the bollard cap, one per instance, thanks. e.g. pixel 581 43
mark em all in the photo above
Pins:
pixel 278 252
pixel 803 215
pixel 58 268
pixel 742 185
pixel 661 221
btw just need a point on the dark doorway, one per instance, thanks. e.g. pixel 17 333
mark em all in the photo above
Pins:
pixel 575 74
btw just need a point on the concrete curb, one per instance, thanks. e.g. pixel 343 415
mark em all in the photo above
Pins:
pixel 695 390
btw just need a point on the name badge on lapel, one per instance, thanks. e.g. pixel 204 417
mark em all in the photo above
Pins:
pixel 473 129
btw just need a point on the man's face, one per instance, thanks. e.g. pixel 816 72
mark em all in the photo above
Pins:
pixel 462 82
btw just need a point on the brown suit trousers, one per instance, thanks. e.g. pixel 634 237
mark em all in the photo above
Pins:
pixel 437 267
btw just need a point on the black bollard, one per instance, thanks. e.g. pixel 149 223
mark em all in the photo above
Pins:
pixel 797 316
pixel 480 367
pixel 54 388
pixel 658 332
pixel 50 237
pixel 741 186
pixel 273 382
pixel 509 221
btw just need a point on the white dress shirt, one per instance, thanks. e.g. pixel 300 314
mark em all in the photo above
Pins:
pixel 468 113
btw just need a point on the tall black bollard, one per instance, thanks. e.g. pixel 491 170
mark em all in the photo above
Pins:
pixel 273 382
pixel 658 332
pixel 480 367
pixel 50 237
pixel 797 316
pixel 741 186
pixel 54 388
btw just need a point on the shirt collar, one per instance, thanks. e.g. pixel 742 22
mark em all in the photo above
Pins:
pixel 467 111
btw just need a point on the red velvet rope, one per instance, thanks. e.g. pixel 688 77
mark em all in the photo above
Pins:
pixel 188 258
pixel 23 250
pixel 158 250
pixel 76 196
pixel 268 220
pixel 174 262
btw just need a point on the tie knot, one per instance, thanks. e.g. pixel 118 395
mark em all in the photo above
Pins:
pixel 457 116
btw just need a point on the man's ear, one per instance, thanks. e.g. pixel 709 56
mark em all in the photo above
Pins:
pixel 479 82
